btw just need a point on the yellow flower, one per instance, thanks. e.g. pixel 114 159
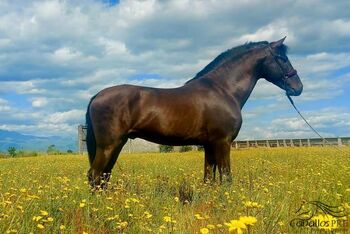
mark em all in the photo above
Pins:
pixel 37 218
pixel 211 226
pixel 204 230
pixel 44 212
pixel 40 226
pixel 124 224
pixel 198 216
pixel 50 219
pixel 23 190
pixel 167 219
pixel 250 204
pixel 248 220
pixel 81 205
pixel 236 225
pixel 148 215
pixel 62 227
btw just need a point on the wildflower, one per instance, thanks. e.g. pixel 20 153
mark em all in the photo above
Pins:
pixel 23 190
pixel 248 220
pixel 204 230
pixel 167 219
pixel 37 218
pixel 44 212
pixel 147 215
pixel 124 224
pixel 40 226
pixel 198 216
pixel 236 225
pixel 62 227
pixel 11 231
pixel 50 219
pixel 211 226
pixel 81 205
pixel 250 204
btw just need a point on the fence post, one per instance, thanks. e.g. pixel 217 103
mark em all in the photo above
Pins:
pixel 291 143
pixel 80 139
pixel 308 142
pixel 247 144
pixel 284 143
pixel 236 145
pixel 300 144
pixel 267 144
pixel 339 141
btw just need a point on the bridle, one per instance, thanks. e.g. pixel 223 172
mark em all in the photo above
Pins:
pixel 286 75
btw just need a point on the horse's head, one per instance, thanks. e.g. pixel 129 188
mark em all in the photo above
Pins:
pixel 278 69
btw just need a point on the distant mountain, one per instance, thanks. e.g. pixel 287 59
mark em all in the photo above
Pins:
pixel 30 142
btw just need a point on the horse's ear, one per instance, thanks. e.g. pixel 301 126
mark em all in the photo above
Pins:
pixel 278 43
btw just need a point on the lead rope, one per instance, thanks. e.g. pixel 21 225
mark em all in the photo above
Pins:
pixel 314 130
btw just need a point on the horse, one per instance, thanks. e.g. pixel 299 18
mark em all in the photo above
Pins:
pixel 205 111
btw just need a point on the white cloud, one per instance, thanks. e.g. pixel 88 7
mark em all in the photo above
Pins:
pixel 63 52
pixel 39 102
pixel 325 121
pixel 62 117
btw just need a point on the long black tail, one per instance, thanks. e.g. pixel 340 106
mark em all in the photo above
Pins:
pixel 90 136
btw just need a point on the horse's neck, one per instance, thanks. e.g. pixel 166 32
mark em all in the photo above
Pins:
pixel 238 79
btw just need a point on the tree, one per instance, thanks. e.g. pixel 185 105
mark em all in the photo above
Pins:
pixel 165 148
pixel 12 151
pixel 185 148
pixel 51 149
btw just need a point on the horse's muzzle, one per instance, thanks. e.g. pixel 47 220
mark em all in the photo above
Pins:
pixel 294 86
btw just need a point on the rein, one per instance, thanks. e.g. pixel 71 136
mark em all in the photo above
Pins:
pixel 313 129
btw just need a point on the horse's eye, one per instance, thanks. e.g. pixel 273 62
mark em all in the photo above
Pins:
pixel 284 59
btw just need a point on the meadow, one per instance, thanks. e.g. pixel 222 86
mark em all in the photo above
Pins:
pixel 165 193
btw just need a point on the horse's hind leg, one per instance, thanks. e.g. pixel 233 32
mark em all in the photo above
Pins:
pixel 217 155
pixel 222 158
pixel 209 164
pixel 103 163
pixel 108 169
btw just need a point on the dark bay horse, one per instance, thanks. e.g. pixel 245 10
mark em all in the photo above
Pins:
pixel 206 110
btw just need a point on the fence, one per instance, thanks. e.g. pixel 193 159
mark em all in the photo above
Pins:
pixel 339 141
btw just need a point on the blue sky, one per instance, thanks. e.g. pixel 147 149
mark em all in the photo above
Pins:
pixel 54 55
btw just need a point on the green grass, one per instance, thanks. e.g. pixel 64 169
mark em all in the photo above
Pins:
pixel 165 192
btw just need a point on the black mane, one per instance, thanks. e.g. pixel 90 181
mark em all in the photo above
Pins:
pixel 232 53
